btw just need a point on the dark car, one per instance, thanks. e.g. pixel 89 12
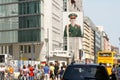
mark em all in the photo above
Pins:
pixel 85 72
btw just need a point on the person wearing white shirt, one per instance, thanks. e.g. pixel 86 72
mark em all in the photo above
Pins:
pixel 2 71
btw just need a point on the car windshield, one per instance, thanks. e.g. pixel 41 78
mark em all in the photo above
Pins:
pixel 84 72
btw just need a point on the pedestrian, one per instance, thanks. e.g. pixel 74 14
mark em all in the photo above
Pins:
pixel 46 72
pixel 56 70
pixel 11 72
pixel 113 72
pixel 2 71
pixel 31 73
pixel 52 71
pixel 100 74
pixel 63 65
pixel 61 72
pixel 25 72
pixel 35 72
pixel 20 76
pixel 118 72
pixel 40 73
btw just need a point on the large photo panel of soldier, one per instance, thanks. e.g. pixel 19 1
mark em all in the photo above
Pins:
pixel 73 32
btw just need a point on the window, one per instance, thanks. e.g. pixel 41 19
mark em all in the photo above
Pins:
pixel 64 5
pixel 2 58
pixel 105 55
pixel 21 48
pixel 11 49
pixel 29 8
pixel 27 49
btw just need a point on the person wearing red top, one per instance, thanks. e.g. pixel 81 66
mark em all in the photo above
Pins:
pixel 31 73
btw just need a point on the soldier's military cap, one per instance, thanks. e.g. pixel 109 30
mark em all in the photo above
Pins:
pixel 72 16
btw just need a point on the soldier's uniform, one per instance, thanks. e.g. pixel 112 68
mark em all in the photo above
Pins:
pixel 74 31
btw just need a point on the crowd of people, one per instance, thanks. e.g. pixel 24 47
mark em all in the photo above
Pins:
pixel 115 72
pixel 6 72
pixel 49 71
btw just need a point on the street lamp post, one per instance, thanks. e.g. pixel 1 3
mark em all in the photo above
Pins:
pixel 32 52
pixel 21 52
pixel 119 44
pixel 47 52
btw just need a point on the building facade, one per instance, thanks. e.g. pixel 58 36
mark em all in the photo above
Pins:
pixel 97 42
pixel 53 21
pixel 88 40
pixel 30 29
pixel 106 43
pixel 21 28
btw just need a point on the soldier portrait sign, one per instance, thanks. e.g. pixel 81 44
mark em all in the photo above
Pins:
pixel 73 24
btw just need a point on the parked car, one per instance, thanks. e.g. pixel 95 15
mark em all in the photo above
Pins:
pixel 77 71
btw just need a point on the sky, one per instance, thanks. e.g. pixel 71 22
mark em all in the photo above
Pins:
pixel 105 13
